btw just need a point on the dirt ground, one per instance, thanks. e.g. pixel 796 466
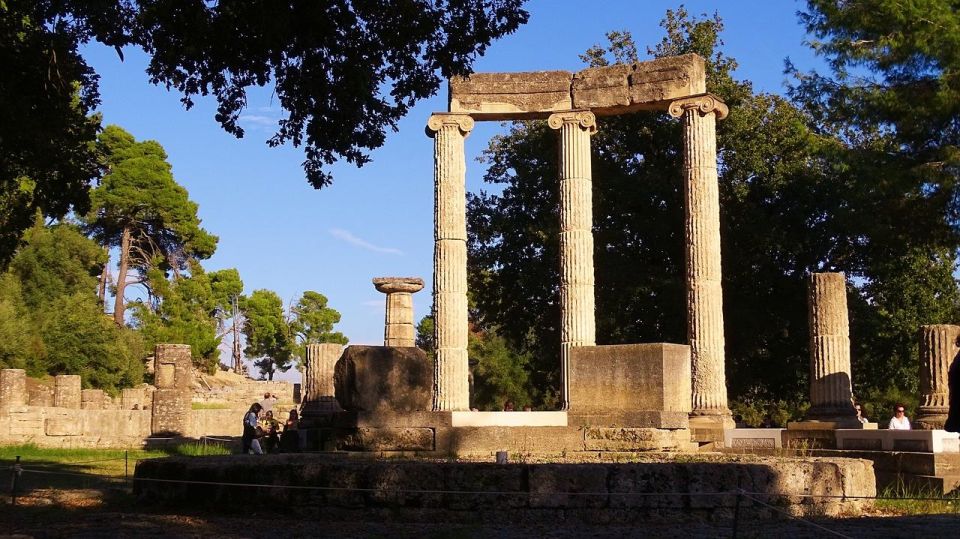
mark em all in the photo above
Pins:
pixel 111 513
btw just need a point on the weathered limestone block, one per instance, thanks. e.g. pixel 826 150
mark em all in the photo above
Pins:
pixel 451 369
pixel 132 397
pixel 501 96
pixel 66 391
pixel 319 390
pixel 703 260
pixel 13 388
pixel 173 366
pixel 831 393
pixel 171 412
pixel 620 88
pixel 39 395
pixel 384 379
pixel 939 347
pixel 577 302
pixel 92 399
pixel 399 329
pixel 611 380
pixel 635 439
pixel 63 425
pixel 387 439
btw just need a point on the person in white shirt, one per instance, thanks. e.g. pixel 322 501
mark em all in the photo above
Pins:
pixel 860 413
pixel 899 420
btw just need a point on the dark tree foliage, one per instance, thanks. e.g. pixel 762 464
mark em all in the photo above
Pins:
pixel 343 70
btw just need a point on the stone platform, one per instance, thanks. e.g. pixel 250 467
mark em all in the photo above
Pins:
pixel 418 490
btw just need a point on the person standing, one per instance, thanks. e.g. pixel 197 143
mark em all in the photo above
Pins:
pixel 249 438
pixel 899 420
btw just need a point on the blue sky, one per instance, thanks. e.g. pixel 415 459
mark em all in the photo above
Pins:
pixel 283 235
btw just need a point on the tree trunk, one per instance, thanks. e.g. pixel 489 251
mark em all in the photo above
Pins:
pixel 120 304
pixel 102 286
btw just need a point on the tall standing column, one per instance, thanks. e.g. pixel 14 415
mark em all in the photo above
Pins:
pixel 831 393
pixel 703 269
pixel 398 328
pixel 938 349
pixel 577 307
pixel 451 391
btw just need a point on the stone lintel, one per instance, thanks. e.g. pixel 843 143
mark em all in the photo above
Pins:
pixel 389 285
pixel 606 90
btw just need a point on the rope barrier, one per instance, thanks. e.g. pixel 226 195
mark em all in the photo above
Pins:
pixel 807 522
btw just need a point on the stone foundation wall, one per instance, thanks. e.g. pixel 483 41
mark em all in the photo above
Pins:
pixel 593 492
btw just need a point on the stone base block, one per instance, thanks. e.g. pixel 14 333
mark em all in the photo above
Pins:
pixel 922 441
pixel 629 378
pixel 639 419
pixel 632 439
pixel 930 418
pixel 387 439
pixel 753 438
pixel 384 379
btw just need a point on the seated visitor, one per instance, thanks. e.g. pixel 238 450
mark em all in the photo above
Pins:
pixel 860 414
pixel 271 428
pixel 899 420
pixel 289 440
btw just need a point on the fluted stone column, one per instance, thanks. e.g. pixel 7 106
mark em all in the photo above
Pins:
pixel 831 393
pixel 66 391
pixel 938 349
pixel 577 302
pixel 318 387
pixel 450 261
pixel 13 388
pixel 703 269
pixel 398 328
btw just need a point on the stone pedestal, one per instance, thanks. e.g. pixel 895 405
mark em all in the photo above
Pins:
pixel 703 262
pixel 451 371
pixel 66 391
pixel 13 388
pixel 318 386
pixel 939 346
pixel 577 308
pixel 384 380
pixel 399 328
pixel 630 385
pixel 831 394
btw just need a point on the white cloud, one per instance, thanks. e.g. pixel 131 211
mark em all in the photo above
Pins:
pixel 258 119
pixel 348 237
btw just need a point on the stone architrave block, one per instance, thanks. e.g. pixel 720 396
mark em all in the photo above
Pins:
pixel 502 96
pixel 647 85
pixel 384 379
pixel 630 377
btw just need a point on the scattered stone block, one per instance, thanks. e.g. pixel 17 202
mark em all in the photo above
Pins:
pixel 13 388
pixel 92 399
pixel 747 439
pixel 384 379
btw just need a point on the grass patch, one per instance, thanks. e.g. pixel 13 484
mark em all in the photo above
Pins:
pixel 904 501
pixel 209 406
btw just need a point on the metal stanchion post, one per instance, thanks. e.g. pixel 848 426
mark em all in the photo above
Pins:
pixel 14 479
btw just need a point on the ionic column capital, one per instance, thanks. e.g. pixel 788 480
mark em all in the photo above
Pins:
pixel 705 103
pixel 437 121
pixel 584 118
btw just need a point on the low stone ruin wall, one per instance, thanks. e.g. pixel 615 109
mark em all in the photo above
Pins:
pixel 433 491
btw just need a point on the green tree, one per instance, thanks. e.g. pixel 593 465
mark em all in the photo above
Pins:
pixel 892 95
pixel 191 309
pixel 141 209
pixel 267 331
pixel 499 374
pixel 312 321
